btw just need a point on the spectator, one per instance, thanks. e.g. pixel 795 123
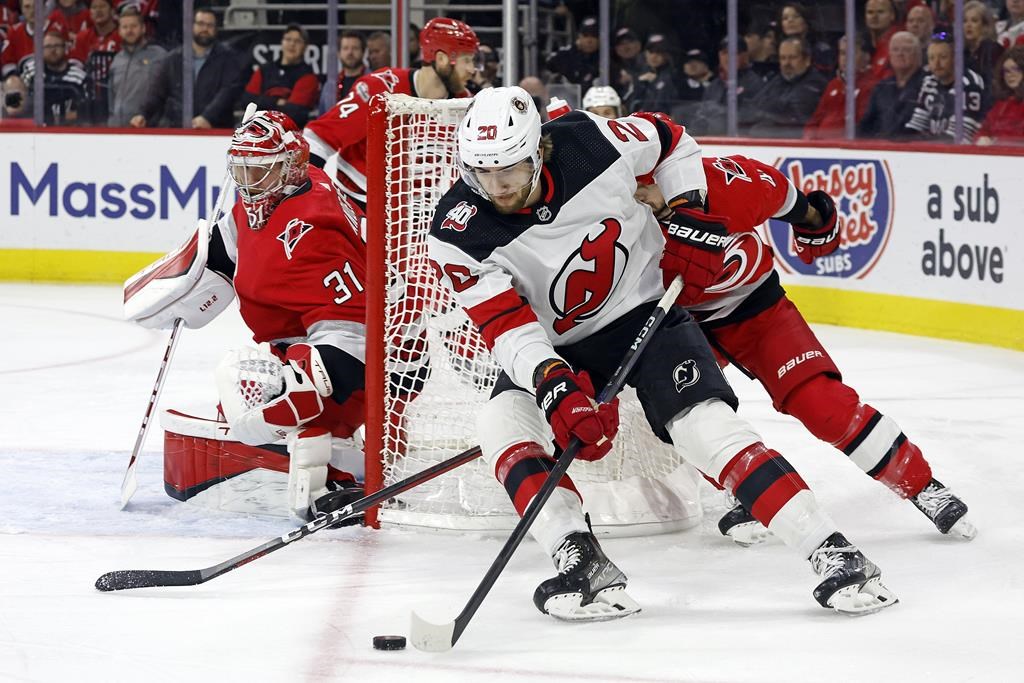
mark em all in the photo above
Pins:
pixel 602 100
pixel 933 117
pixel 218 75
pixel 63 81
pixel 1011 29
pixel 762 41
pixel 655 88
pixel 378 50
pixel 981 51
pixel 538 93
pixel 697 75
pixel 783 106
pixel 18 50
pixel 710 117
pixel 880 19
pixel 795 20
pixel 133 68
pixel 73 15
pixel 289 84
pixel 351 50
pixel 627 64
pixel 578 63
pixel 894 99
pixel 921 23
pixel 100 36
pixel 829 120
pixel 414 46
pixel 16 102
pixel 1005 123
pixel 487 76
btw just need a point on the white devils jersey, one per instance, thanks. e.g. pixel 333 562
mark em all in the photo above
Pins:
pixel 580 258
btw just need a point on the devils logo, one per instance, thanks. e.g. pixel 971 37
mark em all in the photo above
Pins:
pixel 588 276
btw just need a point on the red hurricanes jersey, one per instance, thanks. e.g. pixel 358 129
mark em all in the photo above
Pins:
pixel 342 128
pixel 77 21
pixel 17 50
pixel 749 193
pixel 88 41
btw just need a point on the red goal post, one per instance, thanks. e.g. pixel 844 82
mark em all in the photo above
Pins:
pixel 641 487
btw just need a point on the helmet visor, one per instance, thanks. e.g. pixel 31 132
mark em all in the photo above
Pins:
pixel 498 183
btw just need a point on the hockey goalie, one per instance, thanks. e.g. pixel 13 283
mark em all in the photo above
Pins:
pixel 291 251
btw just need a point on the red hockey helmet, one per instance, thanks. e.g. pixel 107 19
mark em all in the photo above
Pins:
pixel 268 160
pixel 449 36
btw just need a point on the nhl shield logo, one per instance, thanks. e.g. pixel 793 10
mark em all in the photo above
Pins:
pixel 293 232
pixel 685 375
pixel 544 214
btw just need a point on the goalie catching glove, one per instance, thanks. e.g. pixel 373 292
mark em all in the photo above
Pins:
pixel 264 400
pixel 567 400
pixel 695 245
pixel 814 241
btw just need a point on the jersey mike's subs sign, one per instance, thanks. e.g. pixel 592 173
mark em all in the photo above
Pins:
pixel 931 243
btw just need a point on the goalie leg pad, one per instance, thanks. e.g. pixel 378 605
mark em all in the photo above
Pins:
pixel 309 451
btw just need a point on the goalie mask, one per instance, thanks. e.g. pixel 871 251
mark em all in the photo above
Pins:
pixel 499 147
pixel 268 160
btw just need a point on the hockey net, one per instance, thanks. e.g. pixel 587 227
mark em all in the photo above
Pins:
pixel 641 487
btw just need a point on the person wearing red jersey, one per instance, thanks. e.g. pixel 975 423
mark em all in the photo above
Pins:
pixel 448 49
pixel 99 36
pixel 18 49
pixel 751 323
pixel 72 14
pixel 291 252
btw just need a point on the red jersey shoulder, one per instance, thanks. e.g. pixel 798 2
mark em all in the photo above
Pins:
pixel 748 191
pixel 386 80
pixel 319 212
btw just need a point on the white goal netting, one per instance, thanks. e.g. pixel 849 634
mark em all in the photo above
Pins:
pixel 641 487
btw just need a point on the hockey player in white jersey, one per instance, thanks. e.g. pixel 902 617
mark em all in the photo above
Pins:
pixel 544 246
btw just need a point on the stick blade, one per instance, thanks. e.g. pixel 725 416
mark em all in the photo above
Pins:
pixel 128 487
pixel 124 579
pixel 430 637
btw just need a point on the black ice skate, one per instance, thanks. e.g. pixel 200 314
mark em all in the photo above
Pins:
pixel 739 525
pixel 851 584
pixel 340 494
pixel 588 586
pixel 946 511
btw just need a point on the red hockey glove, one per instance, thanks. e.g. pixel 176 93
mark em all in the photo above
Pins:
pixel 812 242
pixel 695 245
pixel 567 400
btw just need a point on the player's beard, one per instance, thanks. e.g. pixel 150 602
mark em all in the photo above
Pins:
pixel 513 203
pixel 450 79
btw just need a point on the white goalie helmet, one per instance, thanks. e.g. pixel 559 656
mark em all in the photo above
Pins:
pixel 500 130
pixel 602 96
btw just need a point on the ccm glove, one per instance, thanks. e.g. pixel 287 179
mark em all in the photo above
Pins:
pixel 695 245
pixel 567 400
pixel 812 242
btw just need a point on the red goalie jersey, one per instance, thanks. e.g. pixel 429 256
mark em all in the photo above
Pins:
pixel 301 278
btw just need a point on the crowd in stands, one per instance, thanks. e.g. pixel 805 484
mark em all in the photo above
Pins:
pixel 119 63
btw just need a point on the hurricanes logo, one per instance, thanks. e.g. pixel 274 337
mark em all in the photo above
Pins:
pixel 458 218
pixel 731 170
pixel 685 375
pixel 863 192
pixel 588 276
pixel 293 232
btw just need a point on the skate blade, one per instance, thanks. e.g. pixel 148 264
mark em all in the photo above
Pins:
pixel 963 530
pixel 749 533
pixel 860 600
pixel 611 603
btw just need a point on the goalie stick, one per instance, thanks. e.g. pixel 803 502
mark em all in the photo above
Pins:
pixel 442 637
pixel 129 484
pixel 123 579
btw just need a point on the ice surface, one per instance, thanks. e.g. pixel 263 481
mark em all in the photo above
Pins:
pixel 73 384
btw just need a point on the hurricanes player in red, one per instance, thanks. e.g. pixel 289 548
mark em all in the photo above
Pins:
pixel 449 53
pixel 290 250
pixel 751 323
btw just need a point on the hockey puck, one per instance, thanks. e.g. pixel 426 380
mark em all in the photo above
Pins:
pixel 389 642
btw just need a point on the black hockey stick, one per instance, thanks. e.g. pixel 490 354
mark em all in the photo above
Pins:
pixel 148 578
pixel 442 637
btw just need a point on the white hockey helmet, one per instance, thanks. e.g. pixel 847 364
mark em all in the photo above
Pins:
pixel 501 129
pixel 602 96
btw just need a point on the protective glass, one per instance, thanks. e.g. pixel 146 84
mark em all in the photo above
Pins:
pixel 497 182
